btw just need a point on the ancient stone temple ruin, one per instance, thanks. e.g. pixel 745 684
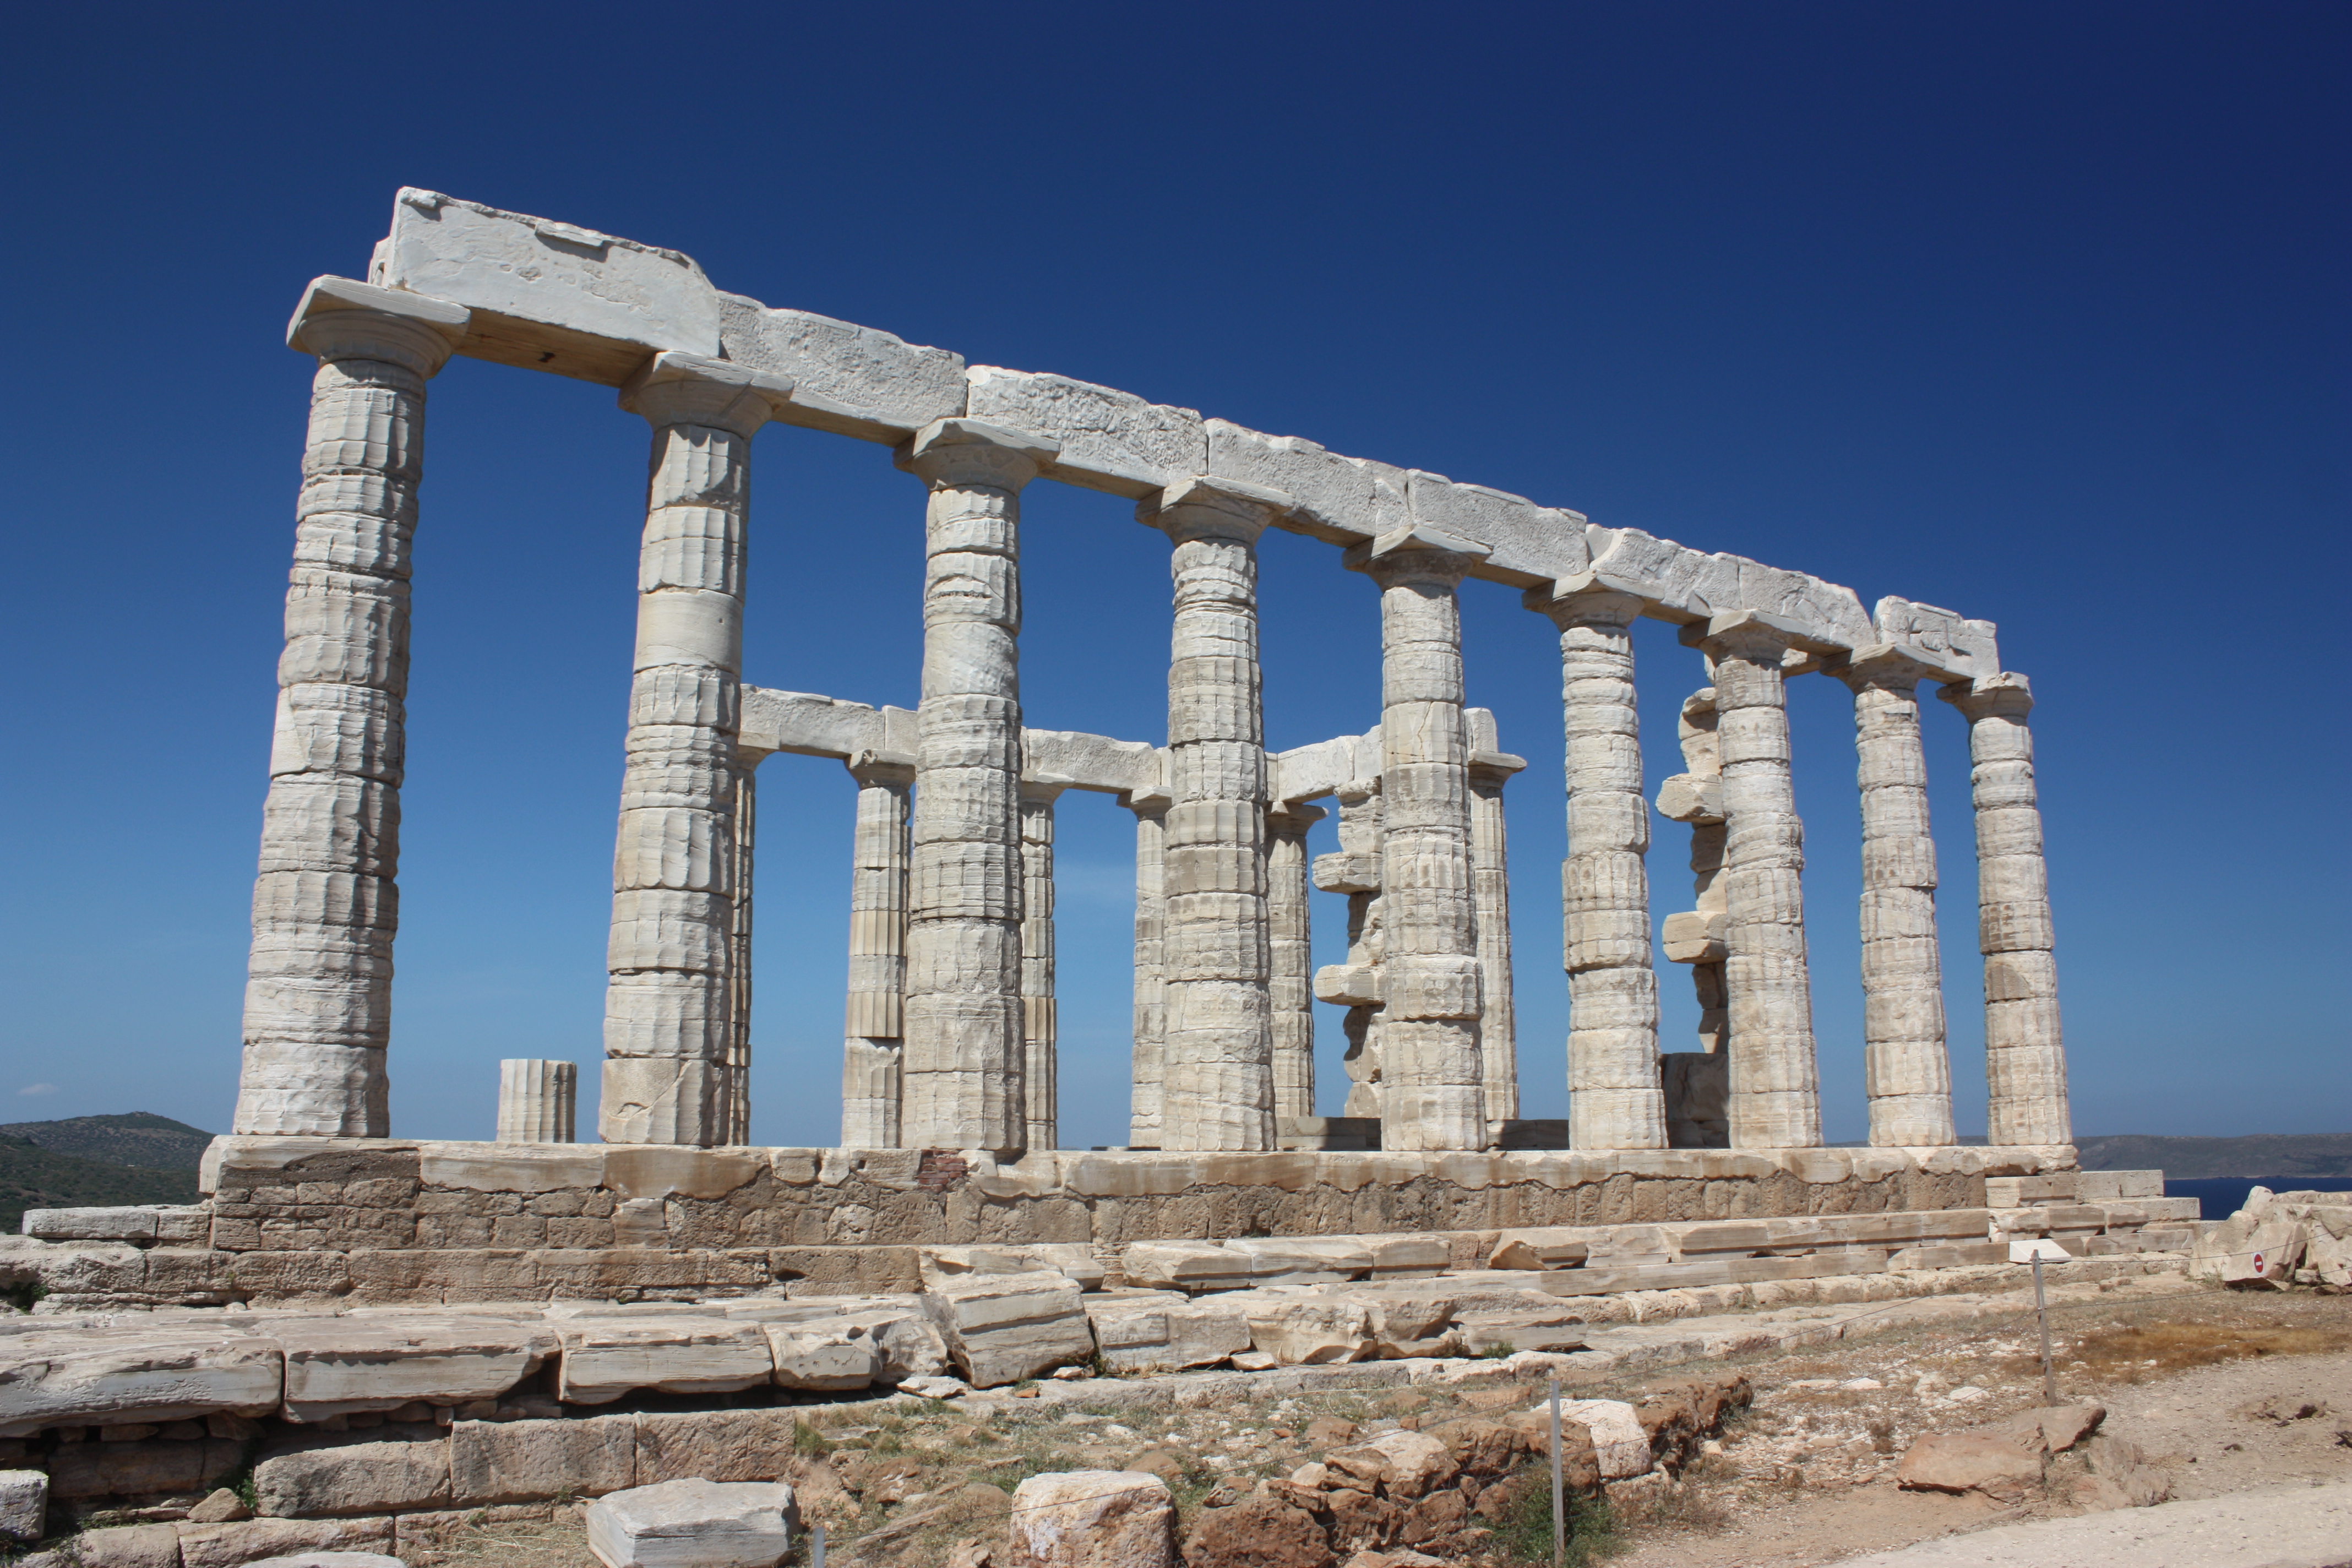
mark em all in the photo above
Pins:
pixel 949 1041
pixel 505 1288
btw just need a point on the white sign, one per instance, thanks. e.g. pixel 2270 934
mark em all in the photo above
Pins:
pixel 2043 1247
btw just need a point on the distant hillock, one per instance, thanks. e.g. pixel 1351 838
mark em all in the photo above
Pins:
pixel 32 1178
pixel 2197 1159
pixel 141 1138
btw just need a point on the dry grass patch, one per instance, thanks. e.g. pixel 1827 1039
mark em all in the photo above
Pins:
pixel 2137 1353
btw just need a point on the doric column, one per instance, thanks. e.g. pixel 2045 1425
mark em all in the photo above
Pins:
pixel 1217 1075
pixel 1433 1080
pixel 318 1001
pixel 1291 959
pixel 961 1077
pixel 1615 1100
pixel 1696 1081
pixel 669 999
pixel 537 1101
pixel 1150 808
pixel 1905 1069
pixel 2025 1056
pixel 871 1043
pixel 736 1086
pixel 1775 1095
pixel 1357 985
pixel 1040 1072
pixel 1499 1048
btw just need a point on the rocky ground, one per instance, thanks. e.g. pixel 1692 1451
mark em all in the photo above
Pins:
pixel 2210 1392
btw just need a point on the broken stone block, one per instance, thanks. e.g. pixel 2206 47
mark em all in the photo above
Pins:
pixel 1188 1265
pixel 1556 1247
pixel 2269 1254
pixel 123 1546
pixel 822 1357
pixel 82 1376
pixel 1259 1531
pixel 1166 1333
pixel 339 1366
pixel 1075 1259
pixel 693 1524
pixel 522 1461
pixel 220 1506
pixel 1308 1331
pixel 1094 1518
pixel 1405 1465
pixel 1303 1260
pixel 714 1446
pixel 935 1388
pixel 1997 1466
pixel 1002 1328
pixel 23 1504
pixel 236 1545
pixel 1619 1441
pixel 330 1476
pixel 604 1358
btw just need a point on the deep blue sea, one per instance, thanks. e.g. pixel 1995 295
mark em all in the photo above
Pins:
pixel 2218 1198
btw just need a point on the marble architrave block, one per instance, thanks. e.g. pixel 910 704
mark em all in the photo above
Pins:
pixel 1039 1028
pixel 1217 1080
pixel 538 1100
pixel 872 1043
pixel 1291 966
pixel 1943 642
pixel 671 994
pixel 1907 1070
pixel 1615 1097
pixel 1145 1121
pixel 1491 768
pixel 318 1000
pixel 1101 438
pixel 961 1077
pixel 1433 1090
pixel 2025 1055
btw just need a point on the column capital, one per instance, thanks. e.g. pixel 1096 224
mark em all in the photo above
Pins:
pixel 1755 635
pixel 1294 817
pixel 339 318
pixel 1041 791
pixel 1205 508
pixel 1883 666
pixel 1152 801
pixel 874 769
pixel 1588 599
pixel 2008 695
pixel 1417 554
pixel 954 453
pixel 1494 768
pixel 676 388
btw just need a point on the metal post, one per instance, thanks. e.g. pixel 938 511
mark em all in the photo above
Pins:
pixel 2042 1311
pixel 1558 1509
pixel 816 1547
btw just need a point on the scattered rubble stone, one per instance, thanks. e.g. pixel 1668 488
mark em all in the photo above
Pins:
pixel 1093 1519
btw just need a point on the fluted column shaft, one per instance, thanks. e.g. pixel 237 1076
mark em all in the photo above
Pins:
pixel 2025 1053
pixel 1217 1071
pixel 1498 1050
pixel 1145 1125
pixel 669 999
pixel 1433 1076
pixel 1907 1070
pixel 1775 1096
pixel 538 1102
pixel 1291 959
pixel 871 1042
pixel 318 999
pixel 962 1083
pixel 1039 1029
pixel 1615 1098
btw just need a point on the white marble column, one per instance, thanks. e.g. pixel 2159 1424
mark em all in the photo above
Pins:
pixel 1357 985
pixel 1697 1081
pixel 2025 1054
pixel 1291 958
pixel 669 998
pixel 538 1100
pixel 1775 1094
pixel 1150 808
pixel 1905 1069
pixel 1039 1028
pixel 1433 1092
pixel 871 1044
pixel 1217 1073
pixel 318 999
pixel 1615 1097
pixel 1491 768
pixel 736 1084
pixel 961 1079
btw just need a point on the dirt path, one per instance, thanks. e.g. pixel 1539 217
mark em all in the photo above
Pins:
pixel 1810 1478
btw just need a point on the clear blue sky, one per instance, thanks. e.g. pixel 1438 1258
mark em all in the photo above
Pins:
pixel 2035 312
